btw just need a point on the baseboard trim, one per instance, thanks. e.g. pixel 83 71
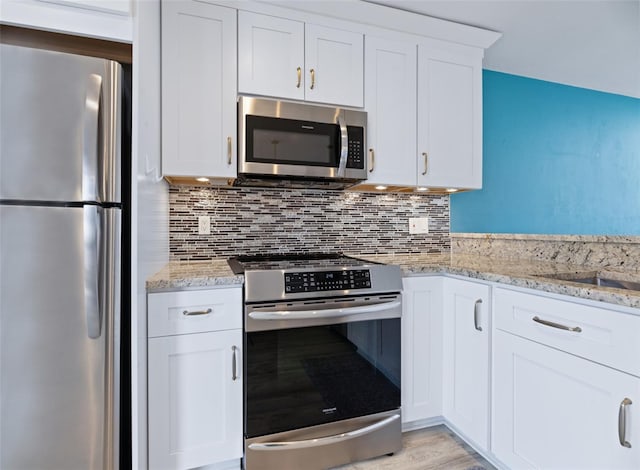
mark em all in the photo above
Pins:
pixel 423 423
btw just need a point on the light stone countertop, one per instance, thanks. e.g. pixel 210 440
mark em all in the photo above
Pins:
pixel 522 273
pixel 180 275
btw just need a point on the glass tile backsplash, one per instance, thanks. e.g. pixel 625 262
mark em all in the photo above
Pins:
pixel 257 220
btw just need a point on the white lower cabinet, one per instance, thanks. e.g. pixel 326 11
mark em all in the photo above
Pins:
pixel 421 348
pixel 566 391
pixel 553 410
pixel 195 380
pixel 466 359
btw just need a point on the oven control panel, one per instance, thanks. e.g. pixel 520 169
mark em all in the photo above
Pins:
pixel 318 281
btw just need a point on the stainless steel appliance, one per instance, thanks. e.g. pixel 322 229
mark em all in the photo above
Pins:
pixel 281 141
pixel 322 360
pixel 60 216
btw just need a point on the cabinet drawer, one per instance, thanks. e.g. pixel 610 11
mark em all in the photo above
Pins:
pixel 174 313
pixel 599 334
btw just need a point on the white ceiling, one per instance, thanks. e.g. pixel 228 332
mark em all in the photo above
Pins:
pixel 586 43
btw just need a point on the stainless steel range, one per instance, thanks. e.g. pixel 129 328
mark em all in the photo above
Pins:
pixel 322 360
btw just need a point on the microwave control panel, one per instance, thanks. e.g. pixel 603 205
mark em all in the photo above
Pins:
pixel 318 281
pixel 355 155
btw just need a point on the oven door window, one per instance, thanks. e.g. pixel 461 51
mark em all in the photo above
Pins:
pixel 292 142
pixel 302 377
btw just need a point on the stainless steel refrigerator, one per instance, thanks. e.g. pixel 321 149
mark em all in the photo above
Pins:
pixel 60 236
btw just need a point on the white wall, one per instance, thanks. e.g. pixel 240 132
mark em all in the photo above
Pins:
pixel 150 205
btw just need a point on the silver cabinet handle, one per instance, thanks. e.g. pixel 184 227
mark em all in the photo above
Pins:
pixel 90 139
pixel 188 313
pixel 229 150
pixel 476 315
pixel 92 281
pixel 234 362
pixel 323 441
pixel 344 146
pixel 537 319
pixel 372 155
pixel 299 72
pixel 425 155
pixel 313 79
pixel 622 422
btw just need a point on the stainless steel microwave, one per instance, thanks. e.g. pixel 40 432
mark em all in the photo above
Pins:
pixel 281 140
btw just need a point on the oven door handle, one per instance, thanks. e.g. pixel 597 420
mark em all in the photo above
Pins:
pixel 323 313
pixel 321 441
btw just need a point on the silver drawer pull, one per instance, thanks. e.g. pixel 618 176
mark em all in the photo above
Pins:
pixel 476 315
pixel 536 319
pixel 187 313
pixel 622 422
pixel 234 363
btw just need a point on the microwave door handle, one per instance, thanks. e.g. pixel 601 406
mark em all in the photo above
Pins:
pixel 344 146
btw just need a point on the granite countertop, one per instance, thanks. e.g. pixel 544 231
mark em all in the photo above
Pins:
pixel 177 275
pixel 517 272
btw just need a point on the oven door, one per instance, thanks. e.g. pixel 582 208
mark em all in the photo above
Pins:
pixel 309 363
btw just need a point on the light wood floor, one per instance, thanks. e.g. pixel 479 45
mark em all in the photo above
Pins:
pixel 427 449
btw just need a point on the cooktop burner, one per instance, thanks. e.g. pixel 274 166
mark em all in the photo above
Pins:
pixel 302 261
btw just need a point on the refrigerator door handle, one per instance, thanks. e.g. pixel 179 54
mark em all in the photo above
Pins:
pixel 110 277
pixel 91 230
pixel 90 138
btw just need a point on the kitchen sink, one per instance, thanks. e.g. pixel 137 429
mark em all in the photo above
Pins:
pixel 597 278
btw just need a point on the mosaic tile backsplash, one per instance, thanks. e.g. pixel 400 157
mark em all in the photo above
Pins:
pixel 255 220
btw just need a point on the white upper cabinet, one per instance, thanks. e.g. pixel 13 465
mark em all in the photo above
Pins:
pixel 271 56
pixel 334 66
pixel 198 90
pixel 390 102
pixel 290 59
pixel 104 19
pixel 424 105
pixel 449 117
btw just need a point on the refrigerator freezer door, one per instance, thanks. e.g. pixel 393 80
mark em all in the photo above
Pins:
pixel 60 126
pixel 57 401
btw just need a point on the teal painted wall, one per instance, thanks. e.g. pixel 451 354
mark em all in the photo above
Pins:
pixel 557 160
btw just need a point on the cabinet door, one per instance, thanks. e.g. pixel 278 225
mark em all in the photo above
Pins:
pixel 553 410
pixel 334 64
pixel 449 118
pixel 466 359
pixel 390 101
pixel 195 404
pixel 421 348
pixel 271 56
pixel 198 90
